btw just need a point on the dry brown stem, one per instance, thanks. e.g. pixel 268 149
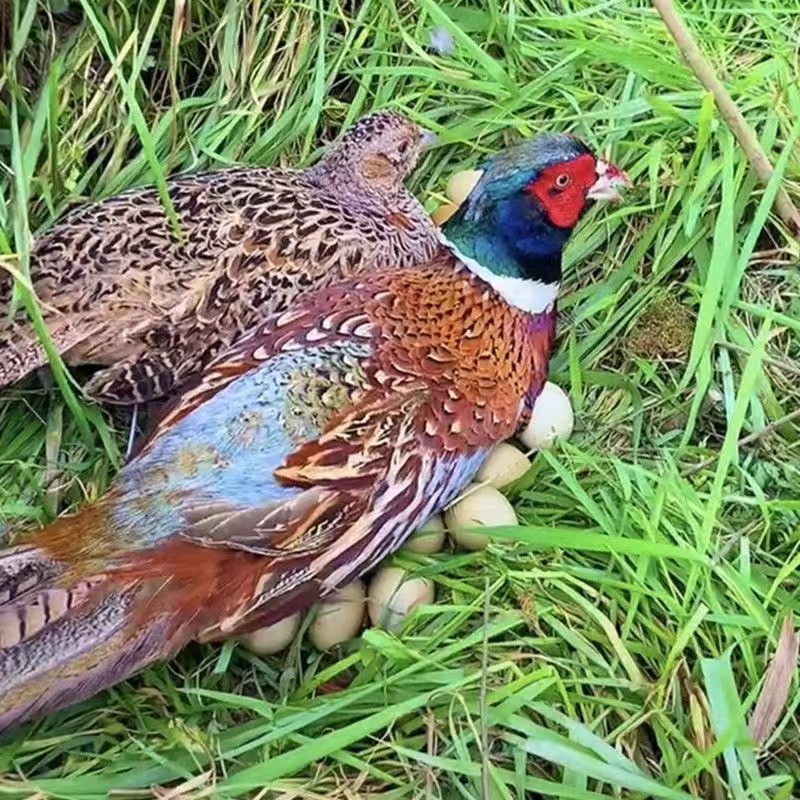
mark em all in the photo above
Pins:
pixel 744 134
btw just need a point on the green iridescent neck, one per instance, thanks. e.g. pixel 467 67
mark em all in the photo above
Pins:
pixel 509 241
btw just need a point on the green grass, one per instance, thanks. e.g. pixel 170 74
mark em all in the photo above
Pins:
pixel 632 616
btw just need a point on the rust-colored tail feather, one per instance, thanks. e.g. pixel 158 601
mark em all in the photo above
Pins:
pixel 82 609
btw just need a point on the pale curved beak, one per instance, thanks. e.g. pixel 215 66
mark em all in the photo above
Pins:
pixel 609 181
pixel 427 139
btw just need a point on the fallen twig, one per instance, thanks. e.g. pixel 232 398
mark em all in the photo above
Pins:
pixel 746 440
pixel 733 117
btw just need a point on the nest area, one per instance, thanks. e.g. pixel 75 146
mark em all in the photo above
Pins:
pixel 663 331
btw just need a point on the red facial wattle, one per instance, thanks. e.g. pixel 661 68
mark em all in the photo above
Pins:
pixel 564 189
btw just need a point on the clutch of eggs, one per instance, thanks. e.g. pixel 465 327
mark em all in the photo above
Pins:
pixel 392 594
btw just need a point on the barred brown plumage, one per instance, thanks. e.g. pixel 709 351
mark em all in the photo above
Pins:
pixel 120 291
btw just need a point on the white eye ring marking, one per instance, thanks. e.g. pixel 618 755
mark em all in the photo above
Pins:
pixel 601 167
pixel 563 180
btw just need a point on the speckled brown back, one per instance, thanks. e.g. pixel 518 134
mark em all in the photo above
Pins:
pixel 120 290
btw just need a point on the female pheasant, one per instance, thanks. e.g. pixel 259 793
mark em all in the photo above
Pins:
pixel 120 291
pixel 309 450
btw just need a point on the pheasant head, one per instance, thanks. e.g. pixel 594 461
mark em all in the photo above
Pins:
pixel 378 152
pixel 512 228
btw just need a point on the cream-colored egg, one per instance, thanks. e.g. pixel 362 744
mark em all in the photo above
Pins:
pixel 504 465
pixel 443 213
pixel 480 507
pixel 461 184
pixel 393 596
pixel 273 638
pixel 428 538
pixel 551 419
pixel 339 617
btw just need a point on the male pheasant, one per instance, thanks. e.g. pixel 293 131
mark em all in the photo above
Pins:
pixel 119 290
pixel 309 450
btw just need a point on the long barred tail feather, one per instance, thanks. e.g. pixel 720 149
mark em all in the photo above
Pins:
pixel 22 570
pixel 74 624
pixel 82 653
pixel 64 639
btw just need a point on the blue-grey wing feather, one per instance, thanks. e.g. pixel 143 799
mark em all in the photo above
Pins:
pixel 225 452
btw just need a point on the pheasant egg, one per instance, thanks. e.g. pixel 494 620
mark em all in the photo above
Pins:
pixel 552 418
pixel 443 213
pixel 338 617
pixel 461 184
pixel 273 638
pixel 480 507
pixel 504 465
pixel 428 538
pixel 392 598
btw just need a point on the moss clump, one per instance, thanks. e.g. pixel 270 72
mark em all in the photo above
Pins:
pixel 663 331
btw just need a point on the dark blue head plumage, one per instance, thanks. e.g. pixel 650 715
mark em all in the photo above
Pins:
pixel 521 212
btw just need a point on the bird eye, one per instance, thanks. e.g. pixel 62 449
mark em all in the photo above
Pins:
pixel 402 148
pixel 563 180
